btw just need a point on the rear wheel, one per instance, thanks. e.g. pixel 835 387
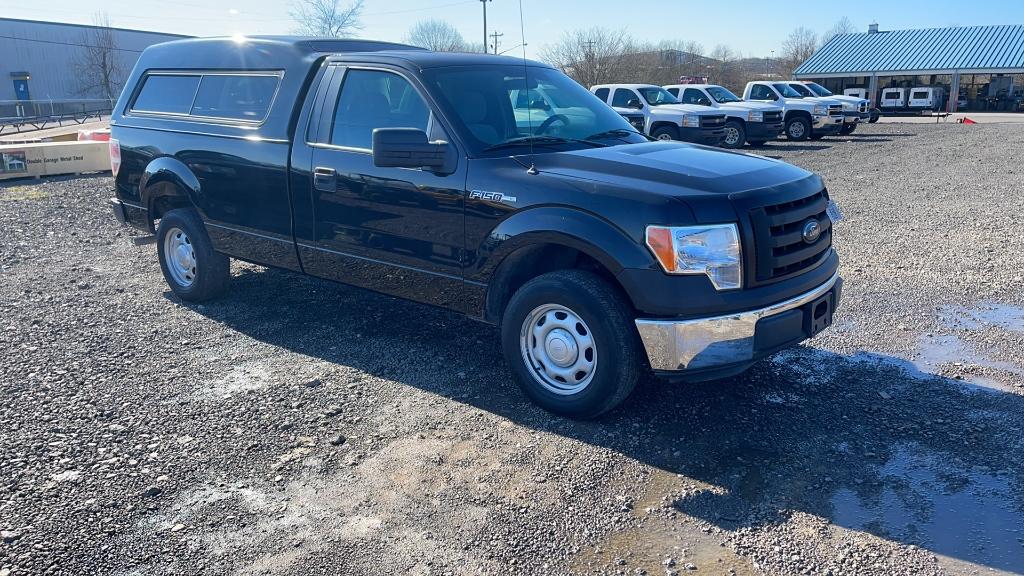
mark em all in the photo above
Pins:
pixel 665 133
pixel 735 134
pixel 848 129
pixel 570 341
pixel 798 128
pixel 192 268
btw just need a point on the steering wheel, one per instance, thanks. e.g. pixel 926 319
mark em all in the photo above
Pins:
pixel 543 128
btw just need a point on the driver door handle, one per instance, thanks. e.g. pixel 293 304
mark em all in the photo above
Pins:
pixel 324 179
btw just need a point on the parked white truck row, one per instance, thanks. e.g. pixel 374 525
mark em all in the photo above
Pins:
pixel 712 115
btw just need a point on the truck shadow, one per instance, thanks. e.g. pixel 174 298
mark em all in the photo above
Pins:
pixel 783 147
pixel 864 441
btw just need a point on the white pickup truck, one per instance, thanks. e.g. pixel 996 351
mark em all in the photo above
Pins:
pixel 855 110
pixel 804 118
pixel 751 123
pixel 665 117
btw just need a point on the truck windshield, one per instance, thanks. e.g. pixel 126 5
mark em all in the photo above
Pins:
pixel 494 107
pixel 722 95
pixel 656 96
pixel 786 90
pixel 803 90
pixel 818 89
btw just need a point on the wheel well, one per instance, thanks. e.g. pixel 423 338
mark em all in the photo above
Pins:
pixel 735 119
pixel 797 113
pixel 661 124
pixel 165 197
pixel 530 262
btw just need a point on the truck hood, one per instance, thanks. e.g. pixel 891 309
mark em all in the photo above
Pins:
pixel 849 99
pixel 673 169
pixel 677 109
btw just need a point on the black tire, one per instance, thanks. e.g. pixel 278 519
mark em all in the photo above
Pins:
pixel 617 351
pixel 798 129
pixel 875 115
pixel 665 132
pixel 210 270
pixel 848 129
pixel 741 131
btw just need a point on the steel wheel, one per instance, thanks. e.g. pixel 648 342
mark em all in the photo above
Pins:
pixel 665 137
pixel 732 136
pixel 558 347
pixel 180 257
pixel 796 130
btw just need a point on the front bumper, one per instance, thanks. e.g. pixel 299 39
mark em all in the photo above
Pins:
pixel 719 343
pixel 764 130
pixel 851 117
pixel 827 124
pixel 706 136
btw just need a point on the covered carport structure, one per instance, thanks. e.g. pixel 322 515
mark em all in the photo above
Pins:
pixel 944 56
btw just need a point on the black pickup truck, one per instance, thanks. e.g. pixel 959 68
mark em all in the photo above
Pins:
pixel 599 253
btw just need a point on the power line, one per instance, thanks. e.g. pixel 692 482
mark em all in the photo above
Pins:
pixel 75 44
pixel 496 35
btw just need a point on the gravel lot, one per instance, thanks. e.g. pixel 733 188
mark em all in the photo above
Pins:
pixel 302 427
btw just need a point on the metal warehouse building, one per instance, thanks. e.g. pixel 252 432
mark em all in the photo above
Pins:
pixel 980 68
pixel 45 65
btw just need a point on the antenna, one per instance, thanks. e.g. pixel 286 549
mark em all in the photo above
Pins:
pixel 526 84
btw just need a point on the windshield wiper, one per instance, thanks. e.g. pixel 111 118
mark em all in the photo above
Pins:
pixel 541 140
pixel 614 132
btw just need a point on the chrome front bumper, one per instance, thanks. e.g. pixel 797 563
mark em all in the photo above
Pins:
pixel 707 343
pixel 827 122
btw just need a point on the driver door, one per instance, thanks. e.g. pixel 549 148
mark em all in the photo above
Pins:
pixel 398 231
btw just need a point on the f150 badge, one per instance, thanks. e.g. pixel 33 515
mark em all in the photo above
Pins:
pixel 491 196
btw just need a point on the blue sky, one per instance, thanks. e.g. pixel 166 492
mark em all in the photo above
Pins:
pixel 750 28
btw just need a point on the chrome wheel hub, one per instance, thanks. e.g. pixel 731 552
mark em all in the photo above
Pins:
pixel 796 129
pixel 732 135
pixel 180 257
pixel 664 137
pixel 558 347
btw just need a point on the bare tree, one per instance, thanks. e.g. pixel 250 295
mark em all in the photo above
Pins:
pixel 591 56
pixel 842 26
pixel 98 67
pixel 436 35
pixel 796 49
pixel 326 18
pixel 725 69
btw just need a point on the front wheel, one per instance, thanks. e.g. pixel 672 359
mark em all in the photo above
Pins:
pixel 735 135
pixel 848 129
pixel 192 268
pixel 798 129
pixel 571 343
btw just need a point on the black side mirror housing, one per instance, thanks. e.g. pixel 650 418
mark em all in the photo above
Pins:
pixel 634 104
pixel 407 148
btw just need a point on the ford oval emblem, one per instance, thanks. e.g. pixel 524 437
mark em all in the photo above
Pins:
pixel 811 231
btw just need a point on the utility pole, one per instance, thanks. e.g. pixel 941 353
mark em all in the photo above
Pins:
pixel 496 35
pixel 484 2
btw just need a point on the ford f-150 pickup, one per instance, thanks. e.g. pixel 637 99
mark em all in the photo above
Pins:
pixel 598 253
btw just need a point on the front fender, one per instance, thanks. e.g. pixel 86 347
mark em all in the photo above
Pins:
pixel 596 237
pixel 168 170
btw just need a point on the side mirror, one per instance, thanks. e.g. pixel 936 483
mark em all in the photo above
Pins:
pixel 634 103
pixel 407 148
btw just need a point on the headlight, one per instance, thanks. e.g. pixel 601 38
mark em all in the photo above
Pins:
pixel 848 107
pixel 820 110
pixel 691 121
pixel 713 250
pixel 755 116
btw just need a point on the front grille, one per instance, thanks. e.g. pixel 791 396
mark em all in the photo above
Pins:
pixel 712 121
pixel 863 108
pixel 779 246
pixel 835 110
pixel 773 116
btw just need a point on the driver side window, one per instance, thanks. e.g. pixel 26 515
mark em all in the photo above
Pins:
pixel 622 97
pixel 694 96
pixel 760 92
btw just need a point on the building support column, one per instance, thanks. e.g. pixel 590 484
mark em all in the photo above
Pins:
pixel 873 90
pixel 954 92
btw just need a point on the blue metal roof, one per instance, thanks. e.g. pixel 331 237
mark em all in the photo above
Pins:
pixel 932 50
